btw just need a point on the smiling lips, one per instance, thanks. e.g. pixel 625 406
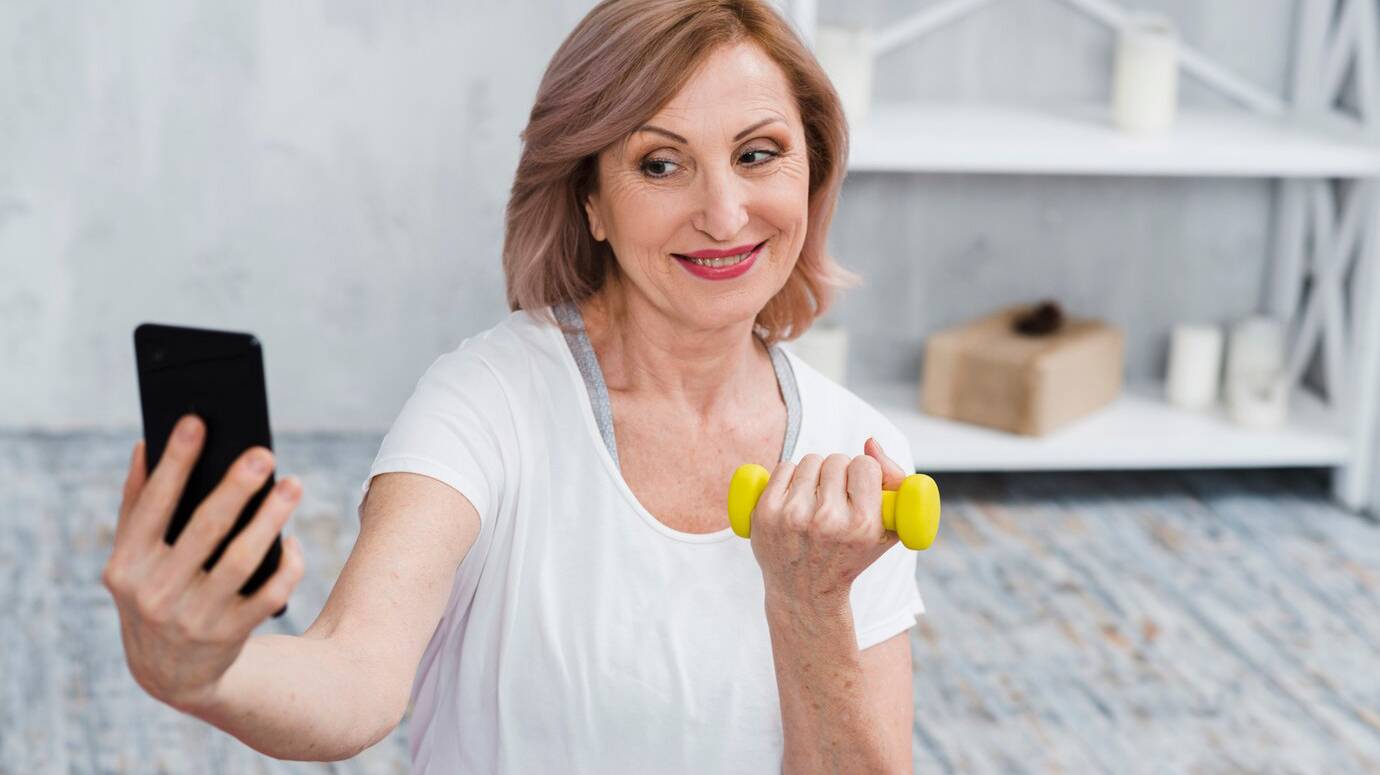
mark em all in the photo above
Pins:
pixel 719 258
pixel 738 251
pixel 720 264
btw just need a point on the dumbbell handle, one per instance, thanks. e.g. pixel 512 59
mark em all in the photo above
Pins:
pixel 911 510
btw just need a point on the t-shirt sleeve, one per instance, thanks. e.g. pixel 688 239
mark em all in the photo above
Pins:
pixel 885 597
pixel 454 428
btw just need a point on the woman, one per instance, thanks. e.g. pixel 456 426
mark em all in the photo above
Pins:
pixel 544 569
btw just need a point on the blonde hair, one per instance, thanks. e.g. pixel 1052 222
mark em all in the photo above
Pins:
pixel 620 65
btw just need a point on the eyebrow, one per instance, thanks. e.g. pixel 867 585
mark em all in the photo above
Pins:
pixel 683 141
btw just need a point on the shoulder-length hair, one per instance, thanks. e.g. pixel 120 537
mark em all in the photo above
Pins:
pixel 620 65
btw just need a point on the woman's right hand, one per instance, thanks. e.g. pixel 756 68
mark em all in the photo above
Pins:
pixel 182 626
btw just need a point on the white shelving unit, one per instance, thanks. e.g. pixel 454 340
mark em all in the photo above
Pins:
pixel 1138 431
pixel 1082 141
pixel 1325 272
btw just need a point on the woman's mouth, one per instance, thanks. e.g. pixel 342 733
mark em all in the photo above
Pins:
pixel 721 268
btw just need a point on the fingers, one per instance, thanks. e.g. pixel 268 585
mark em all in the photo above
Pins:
pixel 246 552
pixel 865 494
pixel 892 474
pixel 216 515
pixel 134 483
pixel 801 495
pixel 247 613
pixel 158 495
pixel 774 494
pixel 831 508
pixel 864 480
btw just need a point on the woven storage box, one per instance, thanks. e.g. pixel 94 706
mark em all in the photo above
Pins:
pixel 987 373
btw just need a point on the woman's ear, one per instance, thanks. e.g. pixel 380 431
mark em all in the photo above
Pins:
pixel 596 227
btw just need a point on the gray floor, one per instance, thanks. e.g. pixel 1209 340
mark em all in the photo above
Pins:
pixel 1186 622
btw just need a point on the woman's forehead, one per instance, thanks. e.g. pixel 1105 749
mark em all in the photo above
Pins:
pixel 735 74
pixel 735 86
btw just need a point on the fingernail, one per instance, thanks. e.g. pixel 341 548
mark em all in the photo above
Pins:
pixel 186 430
pixel 258 463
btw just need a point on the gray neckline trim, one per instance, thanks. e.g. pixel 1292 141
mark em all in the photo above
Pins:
pixel 568 314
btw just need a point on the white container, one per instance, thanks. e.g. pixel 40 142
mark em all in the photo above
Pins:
pixel 1258 400
pixel 1195 362
pixel 825 347
pixel 1145 80
pixel 1255 348
pixel 845 53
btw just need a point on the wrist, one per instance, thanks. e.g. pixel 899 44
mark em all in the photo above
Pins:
pixel 818 606
pixel 199 702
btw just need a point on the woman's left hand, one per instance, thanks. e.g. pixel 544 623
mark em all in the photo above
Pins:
pixel 818 525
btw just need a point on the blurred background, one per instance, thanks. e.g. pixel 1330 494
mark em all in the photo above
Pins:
pixel 1140 584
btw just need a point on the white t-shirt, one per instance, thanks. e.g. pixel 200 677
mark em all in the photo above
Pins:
pixel 582 635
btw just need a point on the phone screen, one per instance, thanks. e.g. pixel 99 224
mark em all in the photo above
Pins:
pixel 218 376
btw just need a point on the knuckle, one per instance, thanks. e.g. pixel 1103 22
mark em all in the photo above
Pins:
pixel 113 578
pixel 817 528
pixel 211 519
pixel 188 629
pixel 861 511
pixel 240 565
pixel 153 606
pixel 866 463
pixel 868 471
pixel 828 516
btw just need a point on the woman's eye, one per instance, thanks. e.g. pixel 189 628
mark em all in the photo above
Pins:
pixel 656 167
pixel 665 168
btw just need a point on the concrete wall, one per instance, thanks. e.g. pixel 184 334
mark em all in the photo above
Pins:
pixel 332 176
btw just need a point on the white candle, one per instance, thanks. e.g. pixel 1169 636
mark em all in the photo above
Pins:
pixel 1195 358
pixel 1258 400
pixel 845 53
pixel 1255 347
pixel 825 347
pixel 1145 81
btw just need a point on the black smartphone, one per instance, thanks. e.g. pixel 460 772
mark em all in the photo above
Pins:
pixel 218 376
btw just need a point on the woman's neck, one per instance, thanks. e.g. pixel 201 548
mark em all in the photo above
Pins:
pixel 643 352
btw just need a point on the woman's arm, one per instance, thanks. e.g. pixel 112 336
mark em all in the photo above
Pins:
pixel 344 684
pixel 815 528
pixel 842 710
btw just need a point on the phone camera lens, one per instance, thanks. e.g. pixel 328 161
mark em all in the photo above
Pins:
pixel 158 355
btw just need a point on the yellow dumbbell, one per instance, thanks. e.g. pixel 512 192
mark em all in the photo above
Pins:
pixel 911 510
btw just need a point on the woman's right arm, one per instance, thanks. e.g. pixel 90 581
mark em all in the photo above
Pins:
pixel 342 685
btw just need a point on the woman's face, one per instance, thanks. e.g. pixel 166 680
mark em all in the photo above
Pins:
pixel 722 167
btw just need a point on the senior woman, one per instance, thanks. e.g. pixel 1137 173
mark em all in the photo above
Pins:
pixel 544 570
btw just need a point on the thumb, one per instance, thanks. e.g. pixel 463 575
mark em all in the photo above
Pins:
pixel 892 474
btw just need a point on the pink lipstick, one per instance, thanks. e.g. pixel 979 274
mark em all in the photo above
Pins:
pixel 717 264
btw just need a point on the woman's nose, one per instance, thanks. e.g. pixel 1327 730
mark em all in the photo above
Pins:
pixel 722 211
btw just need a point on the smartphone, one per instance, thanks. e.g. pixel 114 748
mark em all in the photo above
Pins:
pixel 218 376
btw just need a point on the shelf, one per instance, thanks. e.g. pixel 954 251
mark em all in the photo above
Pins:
pixel 1140 430
pixel 963 138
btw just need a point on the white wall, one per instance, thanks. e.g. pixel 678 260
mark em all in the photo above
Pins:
pixel 332 176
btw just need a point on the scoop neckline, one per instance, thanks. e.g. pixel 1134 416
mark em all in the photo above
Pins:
pixel 592 435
